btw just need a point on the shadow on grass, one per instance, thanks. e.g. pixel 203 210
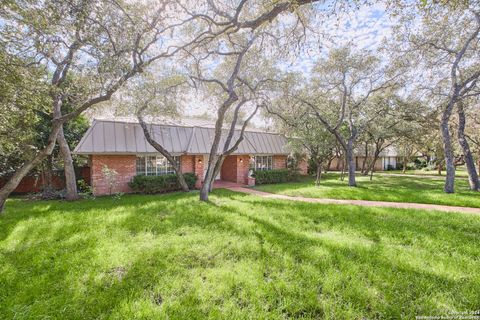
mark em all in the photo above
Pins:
pixel 382 188
pixel 58 259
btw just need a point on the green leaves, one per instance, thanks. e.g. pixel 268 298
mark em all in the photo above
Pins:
pixel 160 184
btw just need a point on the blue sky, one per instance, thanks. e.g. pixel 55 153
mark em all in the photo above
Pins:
pixel 365 28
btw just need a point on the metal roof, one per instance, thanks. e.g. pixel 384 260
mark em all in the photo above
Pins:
pixel 121 137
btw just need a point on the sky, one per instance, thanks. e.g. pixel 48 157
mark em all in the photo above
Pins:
pixel 365 28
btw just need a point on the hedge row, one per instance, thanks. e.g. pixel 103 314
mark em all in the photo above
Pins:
pixel 273 176
pixel 160 184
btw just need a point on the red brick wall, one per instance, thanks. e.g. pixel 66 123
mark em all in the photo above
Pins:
pixel 30 184
pixel 124 165
pixel 187 163
pixel 243 166
pixel 85 173
pixel 303 167
pixel 235 169
pixel 198 170
pixel 229 169
pixel 34 183
pixel 279 162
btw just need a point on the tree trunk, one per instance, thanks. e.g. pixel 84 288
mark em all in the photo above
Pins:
pixel 467 154
pixel 70 179
pixel 27 166
pixel 47 183
pixel 371 165
pixel 209 176
pixel 181 179
pixel 164 152
pixel 448 149
pixel 351 164
pixel 342 174
pixel 319 174
pixel 329 163
pixel 216 171
pixel 207 182
pixel 404 167
pixel 478 164
pixel 205 190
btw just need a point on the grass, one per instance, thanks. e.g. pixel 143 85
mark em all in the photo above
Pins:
pixel 381 188
pixel 460 171
pixel 238 257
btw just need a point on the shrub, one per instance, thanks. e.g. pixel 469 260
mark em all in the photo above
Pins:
pixel 85 190
pixel 273 176
pixel 419 164
pixel 84 187
pixel 160 184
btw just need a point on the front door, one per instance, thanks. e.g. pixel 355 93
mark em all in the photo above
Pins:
pixel 205 161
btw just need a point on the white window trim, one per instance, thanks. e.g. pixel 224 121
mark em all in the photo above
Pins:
pixel 264 157
pixel 145 157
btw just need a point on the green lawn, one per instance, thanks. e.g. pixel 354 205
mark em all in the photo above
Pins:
pixel 461 171
pixel 381 188
pixel 238 257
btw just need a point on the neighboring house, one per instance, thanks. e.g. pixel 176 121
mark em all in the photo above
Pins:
pixel 388 159
pixel 121 145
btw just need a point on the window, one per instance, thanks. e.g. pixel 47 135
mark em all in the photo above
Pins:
pixel 141 166
pixel 154 165
pixel 263 163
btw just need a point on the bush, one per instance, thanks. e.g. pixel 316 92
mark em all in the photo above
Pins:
pixel 273 176
pixel 85 190
pixel 419 164
pixel 161 184
pixel 84 187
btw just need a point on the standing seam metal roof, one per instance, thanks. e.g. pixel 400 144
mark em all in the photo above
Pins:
pixel 116 137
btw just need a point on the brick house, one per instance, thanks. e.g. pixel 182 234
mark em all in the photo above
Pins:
pixel 121 145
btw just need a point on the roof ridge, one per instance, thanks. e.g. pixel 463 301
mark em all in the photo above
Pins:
pixel 183 126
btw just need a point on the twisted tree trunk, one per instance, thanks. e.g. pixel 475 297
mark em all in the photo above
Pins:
pixel 70 178
pixel 27 166
pixel 469 161
pixel 351 163
pixel 449 186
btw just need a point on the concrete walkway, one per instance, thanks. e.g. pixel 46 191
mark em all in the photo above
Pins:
pixel 409 175
pixel 364 203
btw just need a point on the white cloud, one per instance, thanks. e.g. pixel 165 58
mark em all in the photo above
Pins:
pixel 365 28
